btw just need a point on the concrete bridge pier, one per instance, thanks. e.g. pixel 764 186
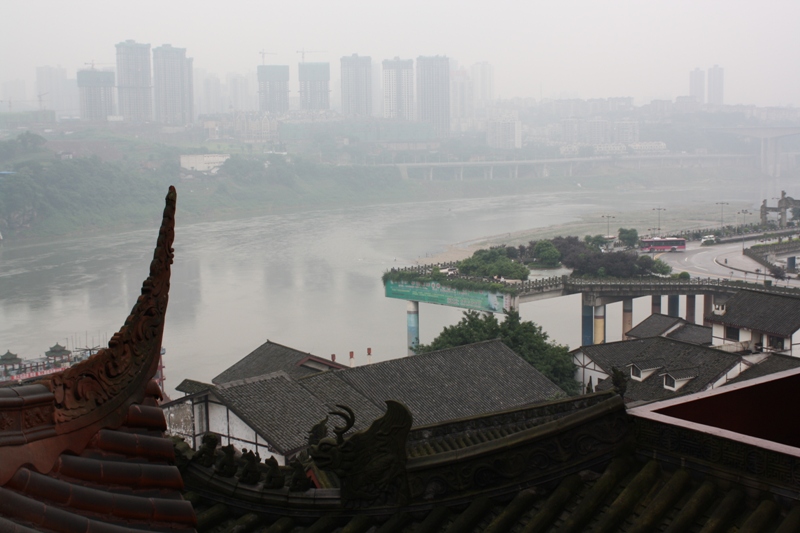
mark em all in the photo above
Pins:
pixel 599 324
pixel 627 316
pixel 691 304
pixel 708 307
pixel 412 321
pixel 587 325
pixel 673 305
pixel 655 307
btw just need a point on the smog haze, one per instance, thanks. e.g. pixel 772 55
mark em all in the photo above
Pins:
pixel 568 49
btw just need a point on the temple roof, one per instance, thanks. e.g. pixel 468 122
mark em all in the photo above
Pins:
pixel 672 327
pixel 773 364
pixel 653 326
pixel 452 383
pixel 681 360
pixel 83 449
pixel 9 357
pixel 766 312
pixel 272 357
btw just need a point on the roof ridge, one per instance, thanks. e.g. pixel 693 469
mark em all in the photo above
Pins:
pixel 254 379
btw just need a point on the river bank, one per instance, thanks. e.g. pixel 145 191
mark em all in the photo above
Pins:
pixel 672 219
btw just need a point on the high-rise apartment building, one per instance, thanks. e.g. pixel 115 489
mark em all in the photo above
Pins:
pixel 273 89
pixel 461 101
pixel 314 86
pixel 398 88
pixel 356 86
pixel 482 85
pixel 433 93
pixel 697 85
pixel 715 85
pixel 173 86
pixel 134 85
pixel 96 92
pixel 56 92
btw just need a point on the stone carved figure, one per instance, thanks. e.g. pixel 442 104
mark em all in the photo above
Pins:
pixel 204 456
pixel 274 478
pixel 371 464
pixel 299 481
pixel 318 432
pixel 250 472
pixel 225 465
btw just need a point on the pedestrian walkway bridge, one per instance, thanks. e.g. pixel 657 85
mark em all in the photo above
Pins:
pixel 596 295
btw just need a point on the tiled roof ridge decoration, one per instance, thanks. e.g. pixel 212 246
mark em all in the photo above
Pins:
pixel 63 411
pixel 90 390
pixel 371 463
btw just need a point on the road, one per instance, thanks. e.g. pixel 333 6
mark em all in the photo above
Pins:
pixel 719 261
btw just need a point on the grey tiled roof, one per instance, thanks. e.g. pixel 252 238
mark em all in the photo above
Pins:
pixel 654 325
pixel 681 360
pixel 190 386
pixel 615 354
pixel 692 333
pixel 268 358
pixel 331 389
pixel 772 364
pixel 453 383
pixel 765 312
pixel 278 408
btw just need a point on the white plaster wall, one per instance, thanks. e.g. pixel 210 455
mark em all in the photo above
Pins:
pixel 614 322
pixel 584 374
pixel 200 418
pixel 717 334
pixel 795 341
pixel 218 419
pixel 239 428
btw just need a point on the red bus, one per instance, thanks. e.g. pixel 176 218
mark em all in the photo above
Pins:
pixel 665 244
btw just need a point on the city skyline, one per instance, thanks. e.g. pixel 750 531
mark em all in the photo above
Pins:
pixel 545 50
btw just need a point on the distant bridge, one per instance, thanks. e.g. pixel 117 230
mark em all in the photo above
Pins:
pixel 598 293
pixel 454 170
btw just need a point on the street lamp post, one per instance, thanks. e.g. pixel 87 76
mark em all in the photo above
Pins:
pixel 722 215
pixel 608 223
pixel 659 209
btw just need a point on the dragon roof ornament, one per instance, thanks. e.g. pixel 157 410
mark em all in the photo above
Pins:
pixel 117 376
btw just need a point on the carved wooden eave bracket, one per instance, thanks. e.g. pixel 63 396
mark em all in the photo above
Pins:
pixel 63 411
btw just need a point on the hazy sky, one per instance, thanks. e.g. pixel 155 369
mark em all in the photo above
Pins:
pixel 554 48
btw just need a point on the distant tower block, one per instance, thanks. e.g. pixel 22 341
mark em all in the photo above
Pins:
pixel 697 85
pixel 716 78
pixel 314 85
pixel 356 86
pixel 134 81
pixel 96 91
pixel 173 86
pixel 398 88
pixel 433 93
pixel 273 89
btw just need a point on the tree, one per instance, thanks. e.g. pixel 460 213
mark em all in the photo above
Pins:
pixel 546 254
pixel 628 237
pixel 597 241
pixel 525 338
pixel 493 262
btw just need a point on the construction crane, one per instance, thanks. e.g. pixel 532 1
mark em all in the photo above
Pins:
pixel 40 98
pixel 303 53
pixel 92 64
pixel 265 53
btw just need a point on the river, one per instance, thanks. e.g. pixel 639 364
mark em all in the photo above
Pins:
pixel 309 280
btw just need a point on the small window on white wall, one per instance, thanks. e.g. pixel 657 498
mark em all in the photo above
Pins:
pixel 636 373
pixel 669 382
